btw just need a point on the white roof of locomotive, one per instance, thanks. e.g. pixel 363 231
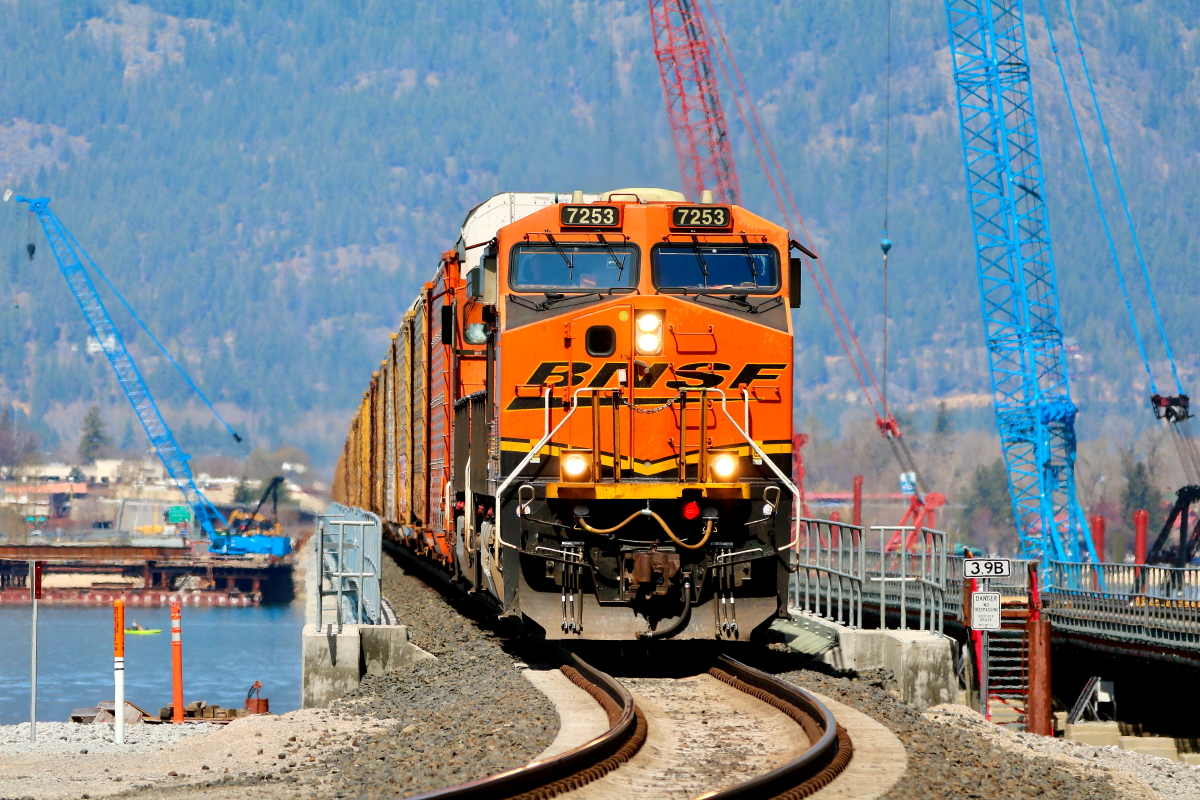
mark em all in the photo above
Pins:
pixel 486 219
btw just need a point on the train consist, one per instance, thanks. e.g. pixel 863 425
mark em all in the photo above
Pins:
pixel 586 416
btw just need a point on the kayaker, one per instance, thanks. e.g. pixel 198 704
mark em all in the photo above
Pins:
pixel 137 626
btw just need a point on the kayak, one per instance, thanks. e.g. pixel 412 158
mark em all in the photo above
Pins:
pixel 144 633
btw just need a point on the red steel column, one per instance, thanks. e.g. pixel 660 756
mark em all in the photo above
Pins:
pixel 1141 526
pixel 176 664
pixel 1099 523
pixel 1038 718
pixel 857 514
pixel 1038 714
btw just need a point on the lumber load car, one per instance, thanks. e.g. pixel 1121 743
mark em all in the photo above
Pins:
pixel 586 416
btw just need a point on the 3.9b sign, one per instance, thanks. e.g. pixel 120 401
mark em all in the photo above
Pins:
pixel 986 568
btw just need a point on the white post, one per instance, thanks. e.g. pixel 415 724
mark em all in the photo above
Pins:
pixel 119 670
pixel 33 587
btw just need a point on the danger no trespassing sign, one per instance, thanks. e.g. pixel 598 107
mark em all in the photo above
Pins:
pixel 985 611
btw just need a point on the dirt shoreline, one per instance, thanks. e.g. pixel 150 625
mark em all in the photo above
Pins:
pixel 257 748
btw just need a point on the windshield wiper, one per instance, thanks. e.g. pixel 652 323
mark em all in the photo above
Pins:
pixel 750 260
pixel 561 252
pixel 612 254
pixel 738 300
pixel 553 298
pixel 700 258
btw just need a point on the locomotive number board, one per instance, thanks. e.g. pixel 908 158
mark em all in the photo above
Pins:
pixel 593 216
pixel 701 217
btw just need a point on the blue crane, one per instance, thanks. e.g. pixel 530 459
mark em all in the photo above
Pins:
pixel 71 256
pixel 1015 266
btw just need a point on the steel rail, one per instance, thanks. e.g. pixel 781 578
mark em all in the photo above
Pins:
pixel 812 770
pixel 829 752
pixel 575 767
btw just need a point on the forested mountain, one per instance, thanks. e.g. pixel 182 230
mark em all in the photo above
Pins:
pixel 268 181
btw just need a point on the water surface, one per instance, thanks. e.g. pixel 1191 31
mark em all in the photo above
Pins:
pixel 224 651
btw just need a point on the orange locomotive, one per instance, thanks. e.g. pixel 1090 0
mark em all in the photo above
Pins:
pixel 587 416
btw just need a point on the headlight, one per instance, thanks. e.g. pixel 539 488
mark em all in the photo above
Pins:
pixel 724 466
pixel 648 323
pixel 649 344
pixel 575 465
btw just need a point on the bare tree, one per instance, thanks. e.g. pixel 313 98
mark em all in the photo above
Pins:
pixel 18 444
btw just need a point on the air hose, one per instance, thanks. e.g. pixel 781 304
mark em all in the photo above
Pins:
pixel 708 529
pixel 684 617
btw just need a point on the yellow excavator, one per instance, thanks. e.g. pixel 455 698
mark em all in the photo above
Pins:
pixel 248 523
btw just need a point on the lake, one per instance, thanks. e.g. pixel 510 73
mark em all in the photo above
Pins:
pixel 224 651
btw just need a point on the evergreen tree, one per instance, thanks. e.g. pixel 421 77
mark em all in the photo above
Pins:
pixel 1140 491
pixel 241 492
pixel 987 501
pixel 93 438
pixel 943 423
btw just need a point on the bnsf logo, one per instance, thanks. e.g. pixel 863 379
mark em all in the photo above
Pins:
pixel 701 375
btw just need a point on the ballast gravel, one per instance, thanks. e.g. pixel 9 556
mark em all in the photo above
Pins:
pixel 1167 779
pixel 466 714
pixel 963 760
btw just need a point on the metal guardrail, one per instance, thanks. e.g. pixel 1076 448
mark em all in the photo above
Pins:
pixel 834 572
pixel 349 556
pixel 1131 602
pixel 908 571
pixel 828 568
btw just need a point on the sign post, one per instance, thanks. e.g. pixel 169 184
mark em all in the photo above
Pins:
pixel 119 670
pixel 35 594
pixel 985 616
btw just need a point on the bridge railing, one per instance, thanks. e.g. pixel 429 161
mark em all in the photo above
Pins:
pixel 349 558
pixel 908 570
pixel 828 565
pixel 1133 602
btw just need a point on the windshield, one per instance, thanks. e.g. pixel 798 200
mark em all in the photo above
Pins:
pixel 716 267
pixel 573 267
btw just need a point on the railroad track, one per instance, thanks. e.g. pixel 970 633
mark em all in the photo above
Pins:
pixel 612 765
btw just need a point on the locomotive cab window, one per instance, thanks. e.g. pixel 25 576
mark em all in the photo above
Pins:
pixel 573 267
pixel 751 269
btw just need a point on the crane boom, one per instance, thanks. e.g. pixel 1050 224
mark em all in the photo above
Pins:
pixel 698 127
pixel 70 257
pixel 1015 270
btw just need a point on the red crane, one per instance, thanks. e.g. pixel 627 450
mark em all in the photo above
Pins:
pixel 681 45
pixel 685 52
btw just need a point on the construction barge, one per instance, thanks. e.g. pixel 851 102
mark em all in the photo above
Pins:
pixel 147 576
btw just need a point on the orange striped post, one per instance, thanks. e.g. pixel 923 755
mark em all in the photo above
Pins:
pixel 176 665
pixel 119 670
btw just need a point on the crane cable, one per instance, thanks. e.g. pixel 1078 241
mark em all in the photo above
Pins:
pixel 1181 432
pixel 841 322
pixel 794 220
pixel 236 437
pixel 885 244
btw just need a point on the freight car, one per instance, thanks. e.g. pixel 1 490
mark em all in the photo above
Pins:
pixel 586 416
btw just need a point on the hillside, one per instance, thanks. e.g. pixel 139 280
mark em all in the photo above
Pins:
pixel 268 182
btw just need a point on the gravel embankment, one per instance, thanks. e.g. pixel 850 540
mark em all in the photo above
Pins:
pixel 54 738
pixel 1171 780
pixel 959 760
pixel 467 715
pixel 436 723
